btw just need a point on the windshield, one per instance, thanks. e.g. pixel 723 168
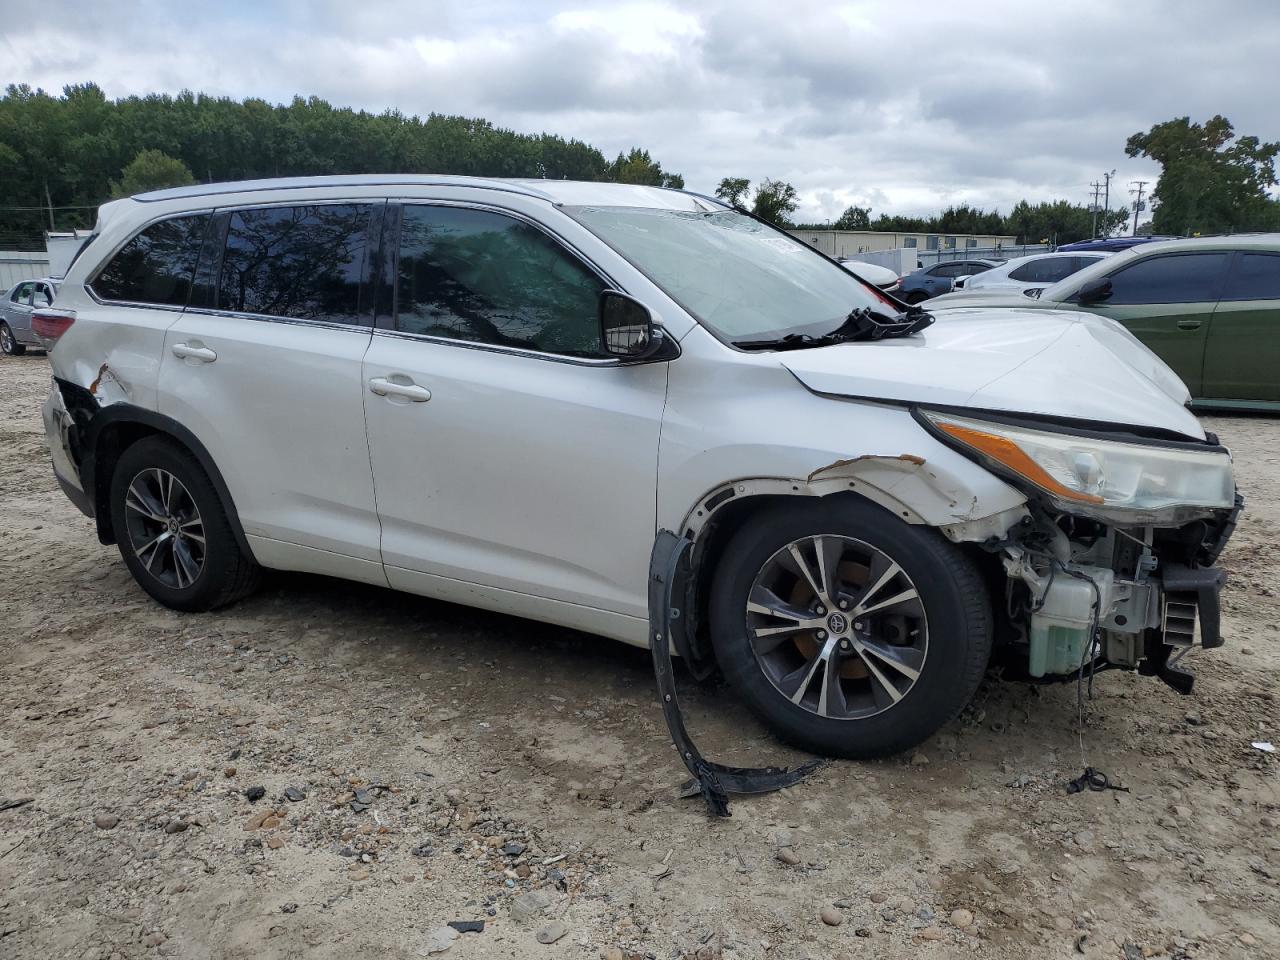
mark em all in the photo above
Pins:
pixel 1065 289
pixel 739 277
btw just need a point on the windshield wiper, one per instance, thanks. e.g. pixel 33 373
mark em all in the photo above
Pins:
pixel 861 325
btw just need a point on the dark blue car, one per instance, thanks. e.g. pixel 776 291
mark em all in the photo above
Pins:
pixel 1110 243
pixel 940 278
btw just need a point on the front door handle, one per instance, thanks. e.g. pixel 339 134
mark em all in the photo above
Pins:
pixel 1189 324
pixel 390 388
pixel 190 351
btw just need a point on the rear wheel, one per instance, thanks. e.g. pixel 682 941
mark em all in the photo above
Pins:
pixel 917 297
pixel 8 345
pixel 849 632
pixel 172 529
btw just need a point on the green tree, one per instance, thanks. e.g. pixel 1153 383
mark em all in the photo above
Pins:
pixel 638 167
pixel 151 170
pixel 854 218
pixel 733 190
pixel 775 201
pixel 1211 181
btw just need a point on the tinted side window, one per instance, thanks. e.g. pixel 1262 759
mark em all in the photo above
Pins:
pixel 1176 278
pixel 1045 270
pixel 489 278
pixel 156 265
pixel 21 293
pixel 300 262
pixel 1257 278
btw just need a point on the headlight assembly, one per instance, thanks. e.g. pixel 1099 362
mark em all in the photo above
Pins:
pixel 1107 478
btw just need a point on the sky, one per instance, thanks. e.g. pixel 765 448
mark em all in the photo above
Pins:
pixel 905 107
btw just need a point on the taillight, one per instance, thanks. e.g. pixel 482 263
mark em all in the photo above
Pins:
pixel 52 323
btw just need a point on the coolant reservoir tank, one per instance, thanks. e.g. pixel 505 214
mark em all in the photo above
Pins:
pixel 1060 628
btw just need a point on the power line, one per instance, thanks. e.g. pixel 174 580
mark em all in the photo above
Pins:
pixel 43 207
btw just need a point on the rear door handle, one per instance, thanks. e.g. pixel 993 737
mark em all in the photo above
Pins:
pixel 187 351
pixel 1189 324
pixel 390 388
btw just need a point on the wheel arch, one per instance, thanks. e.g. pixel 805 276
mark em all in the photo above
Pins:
pixel 933 499
pixel 714 520
pixel 115 428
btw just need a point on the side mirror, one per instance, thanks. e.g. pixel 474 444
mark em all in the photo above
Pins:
pixel 627 329
pixel 1095 291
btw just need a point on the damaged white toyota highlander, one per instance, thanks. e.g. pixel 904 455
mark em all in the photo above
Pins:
pixel 545 397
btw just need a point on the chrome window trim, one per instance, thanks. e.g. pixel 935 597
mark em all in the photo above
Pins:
pixel 270 318
pixel 512 351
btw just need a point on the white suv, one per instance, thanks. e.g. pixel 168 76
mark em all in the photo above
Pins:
pixel 505 393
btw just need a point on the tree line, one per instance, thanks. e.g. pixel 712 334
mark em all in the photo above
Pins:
pixel 1059 221
pixel 1211 181
pixel 62 156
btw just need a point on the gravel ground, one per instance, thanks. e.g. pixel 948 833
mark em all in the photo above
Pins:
pixel 423 763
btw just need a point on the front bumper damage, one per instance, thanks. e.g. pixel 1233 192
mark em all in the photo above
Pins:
pixel 1083 596
pixel 713 781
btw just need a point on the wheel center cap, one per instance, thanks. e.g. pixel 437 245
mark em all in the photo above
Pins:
pixel 173 525
pixel 837 623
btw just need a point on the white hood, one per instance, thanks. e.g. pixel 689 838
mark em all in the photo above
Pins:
pixel 1037 361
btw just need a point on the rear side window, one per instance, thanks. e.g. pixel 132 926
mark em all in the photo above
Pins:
pixel 156 265
pixel 1257 278
pixel 1176 278
pixel 22 293
pixel 302 262
pixel 489 278
pixel 1045 270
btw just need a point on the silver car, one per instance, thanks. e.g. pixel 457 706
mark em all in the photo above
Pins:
pixel 19 302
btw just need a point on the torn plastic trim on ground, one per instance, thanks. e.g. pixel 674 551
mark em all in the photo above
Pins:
pixel 713 781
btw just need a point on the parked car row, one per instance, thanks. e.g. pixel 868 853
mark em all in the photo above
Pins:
pixel 1209 307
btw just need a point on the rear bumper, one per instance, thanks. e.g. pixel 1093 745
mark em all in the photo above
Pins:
pixel 58 425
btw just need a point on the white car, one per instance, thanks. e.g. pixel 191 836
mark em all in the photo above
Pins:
pixel 548 397
pixel 1031 272
pixel 876 275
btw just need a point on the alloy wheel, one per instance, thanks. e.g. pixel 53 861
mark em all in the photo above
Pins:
pixel 837 627
pixel 166 531
pixel 6 339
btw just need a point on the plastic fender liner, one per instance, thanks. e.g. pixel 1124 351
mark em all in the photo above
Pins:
pixel 713 780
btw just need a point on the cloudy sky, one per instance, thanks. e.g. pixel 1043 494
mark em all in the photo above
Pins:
pixel 905 106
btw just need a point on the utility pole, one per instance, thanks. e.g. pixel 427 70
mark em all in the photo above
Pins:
pixel 1138 205
pixel 1106 193
pixel 49 200
pixel 1093 208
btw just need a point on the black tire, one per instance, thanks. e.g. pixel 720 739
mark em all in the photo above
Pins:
pixel 226 573
pixel 917 297
pixel 952 594
pixel 8 343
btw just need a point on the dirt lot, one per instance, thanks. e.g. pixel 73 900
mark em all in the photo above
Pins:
pixel 448 763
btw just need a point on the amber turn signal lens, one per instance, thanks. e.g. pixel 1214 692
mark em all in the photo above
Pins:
pixel 1006 452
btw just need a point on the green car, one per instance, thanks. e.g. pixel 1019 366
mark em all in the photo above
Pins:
pixel 1208 306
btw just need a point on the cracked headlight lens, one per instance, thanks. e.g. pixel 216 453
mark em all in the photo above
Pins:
pixel 1086 474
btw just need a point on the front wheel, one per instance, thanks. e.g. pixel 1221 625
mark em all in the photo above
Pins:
pixel 849 632
pixel 8 344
